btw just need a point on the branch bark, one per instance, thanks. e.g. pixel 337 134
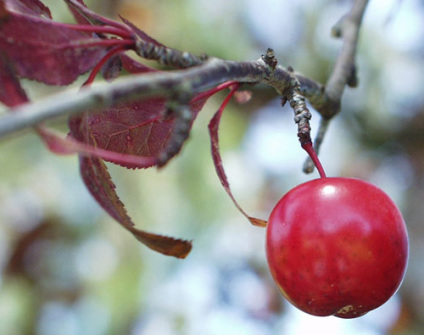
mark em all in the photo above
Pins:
pixel 166 84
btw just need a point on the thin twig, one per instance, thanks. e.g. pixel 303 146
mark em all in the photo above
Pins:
pixel 344 72
pixel 349 28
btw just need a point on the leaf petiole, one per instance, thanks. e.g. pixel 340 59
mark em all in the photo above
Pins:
pixel 117 31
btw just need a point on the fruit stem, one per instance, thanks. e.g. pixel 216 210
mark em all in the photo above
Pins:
pixel 309 148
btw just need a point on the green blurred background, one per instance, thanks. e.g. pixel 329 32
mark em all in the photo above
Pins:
pixel 67 268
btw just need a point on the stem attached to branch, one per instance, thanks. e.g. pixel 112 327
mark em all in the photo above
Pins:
pixel 308 166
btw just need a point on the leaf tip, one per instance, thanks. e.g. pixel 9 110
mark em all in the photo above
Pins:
pixel 258 222
pixel 165 245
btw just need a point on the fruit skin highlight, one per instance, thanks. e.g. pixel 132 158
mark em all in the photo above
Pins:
pixel 337 246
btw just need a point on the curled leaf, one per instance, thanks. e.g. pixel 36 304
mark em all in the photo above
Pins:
pixel 216 156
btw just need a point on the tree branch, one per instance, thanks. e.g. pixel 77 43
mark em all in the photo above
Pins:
pixel 203 73
pixel 165 84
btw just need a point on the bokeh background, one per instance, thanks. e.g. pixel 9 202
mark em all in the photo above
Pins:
pixel 67 268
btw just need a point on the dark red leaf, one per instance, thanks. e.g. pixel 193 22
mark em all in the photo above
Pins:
pixel 84 15
pixel 44 50
pixel 79 17
pixel 216 156
pixel 134 129
pixel 138 128
pixel 97 179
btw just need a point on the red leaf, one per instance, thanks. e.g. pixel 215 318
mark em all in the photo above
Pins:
pixel 79 17
pixel 134 129
pixel 44 50
pixel 97 179
pixel 216 156
pixel 138 128
pixel 84 15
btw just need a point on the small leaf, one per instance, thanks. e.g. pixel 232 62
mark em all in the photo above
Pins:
pixel 216 156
